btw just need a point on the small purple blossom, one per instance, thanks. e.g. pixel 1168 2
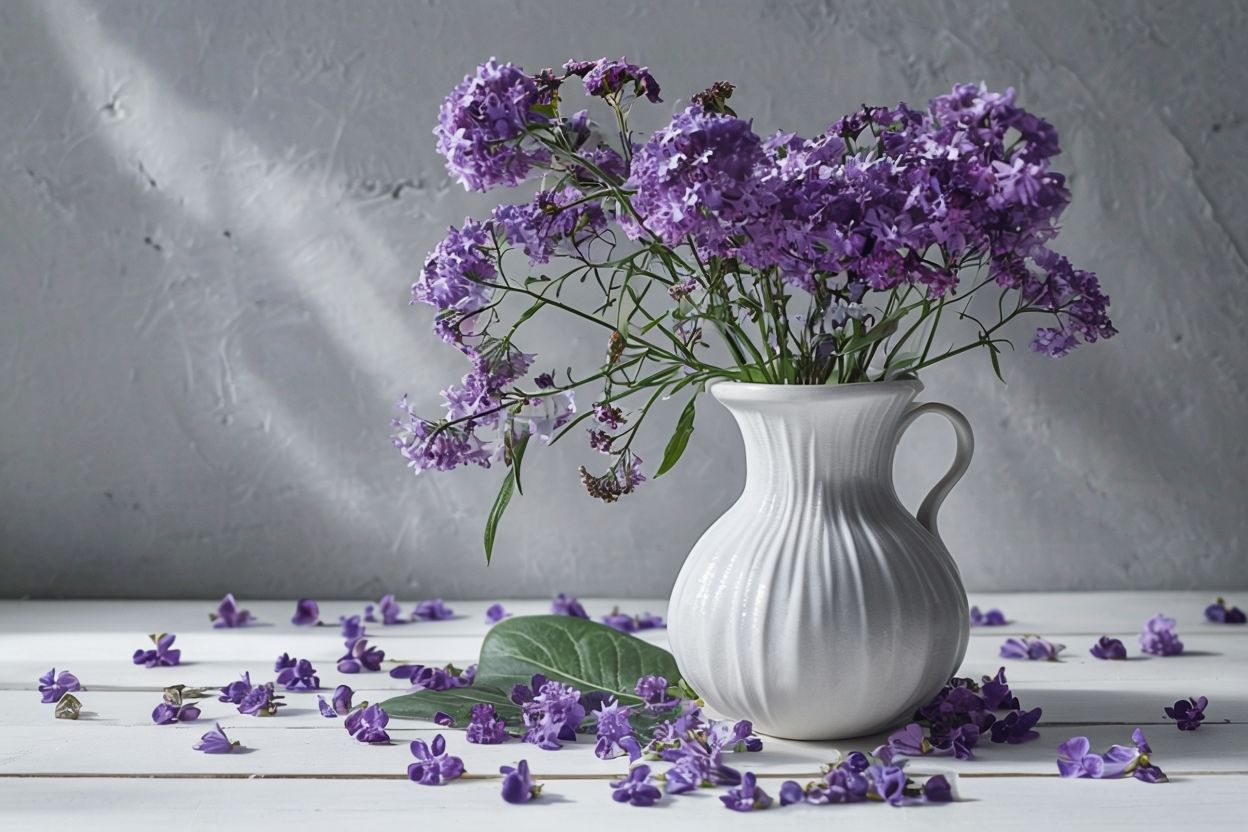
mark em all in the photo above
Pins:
pixel 726 735
pixel 937 789
pixel 339 704
pixel 1109 648
pixel 1188 713
pixel 1032 648
pixel 163 655
pixel 261 700
pixel 228 615
pixel 352 627
pixel 53 686
pixel 636 789
pixel 563 604
pixel 496 613
pixel 360 657
pixel 299 674
pixel 632 623
pixel 889 784
pixel 390 610
pixel 215 742
pixel 235 691
pixel 552 712
pixel 368 724
pixel 307 613
pixel 1219 613
pixel 991 618
pixel 697 763
pixel 433 610
pixel 428 677
pixel 485 727
pixel 615 733
pixel 1016 727
pixel 653 692
pixel 433 765
pixel 1076 759
pixel 518 785
pixel 167 713
pixel 606 78
pixel 1158 637
pixel 996 693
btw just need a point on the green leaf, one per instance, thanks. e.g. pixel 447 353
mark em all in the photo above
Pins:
pixel 496 512
pixel 588 655
pixel 679 441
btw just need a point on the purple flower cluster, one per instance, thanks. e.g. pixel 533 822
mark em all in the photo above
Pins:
pixel 485 727
pixel 991 618
pixel 1076 759
pixel 1219 613
pixel 1032 648
pixel 163 655
pixel 433 766
pixel 261 700
pixel 1158 637
pixel 432 610
pixel 428 677
pixel 296 674
pixel 360 657
pixel 859 778
pixel 615 732
pixel 959 716
pixel 1188 713
pixel 551 219
pixel 632 623
pixel 552 712
pixel 563 604
pixel 607 78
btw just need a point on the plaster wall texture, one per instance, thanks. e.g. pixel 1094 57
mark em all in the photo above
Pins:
pixel 212 213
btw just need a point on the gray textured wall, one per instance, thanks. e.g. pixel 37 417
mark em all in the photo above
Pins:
pixel 210 214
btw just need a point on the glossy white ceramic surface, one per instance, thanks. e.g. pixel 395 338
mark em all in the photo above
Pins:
pixel 817 606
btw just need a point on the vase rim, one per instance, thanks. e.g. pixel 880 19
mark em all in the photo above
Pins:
pixel 731 392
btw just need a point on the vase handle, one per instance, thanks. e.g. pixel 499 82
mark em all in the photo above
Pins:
pixel 961 458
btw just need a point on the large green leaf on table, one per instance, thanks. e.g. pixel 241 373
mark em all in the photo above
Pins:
pixel 585 654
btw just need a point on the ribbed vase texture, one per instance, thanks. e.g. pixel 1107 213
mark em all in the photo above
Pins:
pixel 817 606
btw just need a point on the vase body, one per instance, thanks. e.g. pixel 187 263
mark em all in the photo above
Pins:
pixel 817 606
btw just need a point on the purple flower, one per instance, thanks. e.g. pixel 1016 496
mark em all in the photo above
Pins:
pixel 518 786
pixel 444 719
pixel 1016 727
pixel 636 788
pixel 427 677
pixel 889 784
pixel 228 614
pixel 433 610
pixel 551 220
pixel 352 627
pixel 1076 759
pixel 632 623
pixel 1158 637
pixel 307 613
pixel 234 692
pixel 368 724
pixel 1188 713
pixel 726 735
pixel 495 614
pixel 1219 613
pixel 791 792
pixel 167 712
pixel 283 661
pixel 433 766
pixel 215 742
pixel 937 789
pixel 360 656
pixel 567 605
pixel 485 727
pixel 1109 648
pixel 260 700
pixel 299 674
pixel 390 610
pixel 906 742
pixel 339 704
pixel 991 618
pixel 747 797
pixel 996 693
pixel 1033 648
pixel 653 691
pixel 53 686
pixel 481 126
pixel 162 656
pixel 696 763
pixel 606 78
pixel 615 733
pixel 552 712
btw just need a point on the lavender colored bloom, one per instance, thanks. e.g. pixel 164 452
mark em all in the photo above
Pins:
pixel 991 618
pixel 433 610
pixel 552 712
pixel 791 792
pixel 360 657
pixel 553 219
pixel 368 724
pixel 1158 637
pixel 632 623
pixel 906 742
pixel 162 656
pixel 518 785
pixel 299 675
pixel 481 125
pixel 485 727
pixel 889 784
pixel 1032 648
pixel 427 677
pixel 636 789
pixel 166 713
pixel 307 613
pixel 697 763
pixel 1016 727
pixel 215 742
pixel 444 719
pixel 605 78
pixel 653 691
pixel 496 613
pixel 996 693
pixel 234 692
pixel 1109 648
pixel 1076 759
pixel 339 704
pixel 433 766
pixel 615 733
pixel 261 700
pixel 1188 713
pixel 390 610
pixel 53 686
pixel 726 735
pixel 228 615
pixel 747 797
pixel 1219 613
pixel 937 789
pixel 352 627
pixel 563 604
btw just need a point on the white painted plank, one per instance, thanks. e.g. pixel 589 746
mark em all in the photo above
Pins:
pixel 61 746
pixel 1002 805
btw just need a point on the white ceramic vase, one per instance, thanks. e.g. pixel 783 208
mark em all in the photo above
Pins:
pixel 817 606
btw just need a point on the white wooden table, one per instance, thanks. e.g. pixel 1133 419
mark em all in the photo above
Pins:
pixel 113 769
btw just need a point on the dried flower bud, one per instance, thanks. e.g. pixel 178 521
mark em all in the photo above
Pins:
pixel 68 707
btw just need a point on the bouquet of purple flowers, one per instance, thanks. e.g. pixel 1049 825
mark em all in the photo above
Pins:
pixel 722 255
